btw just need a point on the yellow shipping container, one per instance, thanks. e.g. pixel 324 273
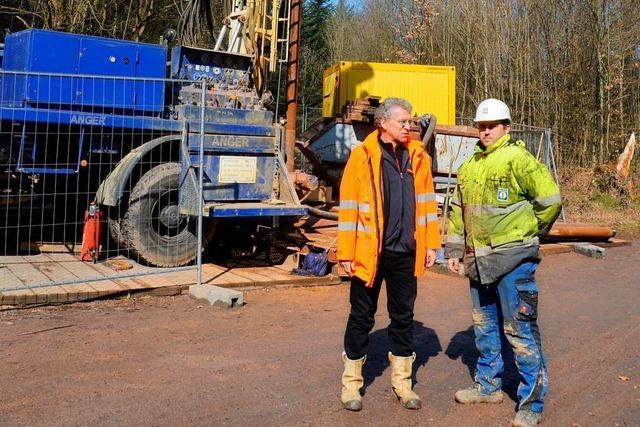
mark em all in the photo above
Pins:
pixel 429 88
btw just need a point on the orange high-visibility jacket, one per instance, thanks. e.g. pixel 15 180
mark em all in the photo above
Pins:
pixel 361 220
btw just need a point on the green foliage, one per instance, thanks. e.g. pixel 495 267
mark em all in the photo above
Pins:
pixel 141 20
pixel 606 200
pixel 315 15
pixel 572 66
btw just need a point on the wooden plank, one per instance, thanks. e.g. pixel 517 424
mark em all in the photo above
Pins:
pixel 156 280
pixel 220 280
pixel 249 279
pixel 75 292
pixel 214 274
pixel 555 248
pixel 63 258
pixel 212 269
pixel 125 283
pixel 8 279
pixel 28 274
pixel 106 287
pixel 45 295
pixel 234 278
pixel 7 299
pixel 181 278
pixel 24 297
pixel 11 259
pixel 613 243
pixel 60 295
pixel 88 292
pixel 128 283
pixel 279 274
pixel 252 274
pixel 54 271
pixel 42 296
pixel 71 264
pixel 82 270
pixel 32 259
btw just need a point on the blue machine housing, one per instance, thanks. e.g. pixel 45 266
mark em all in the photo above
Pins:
pixel 74 70
pixel 69 100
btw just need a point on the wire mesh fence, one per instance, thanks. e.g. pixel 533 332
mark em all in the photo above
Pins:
pixel 538 141
pixel 91 170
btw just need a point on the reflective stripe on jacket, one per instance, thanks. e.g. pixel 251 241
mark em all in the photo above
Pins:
pixel 503 199
pixel 361 219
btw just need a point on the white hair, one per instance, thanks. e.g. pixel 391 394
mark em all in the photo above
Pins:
pixel 383 112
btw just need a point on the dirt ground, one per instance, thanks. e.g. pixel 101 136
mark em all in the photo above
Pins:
pixel 276 361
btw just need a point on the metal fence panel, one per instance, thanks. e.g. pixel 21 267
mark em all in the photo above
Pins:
pixel 95 159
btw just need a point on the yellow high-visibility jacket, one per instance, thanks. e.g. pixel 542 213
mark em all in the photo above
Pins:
pixel 503 200
pixel 361 219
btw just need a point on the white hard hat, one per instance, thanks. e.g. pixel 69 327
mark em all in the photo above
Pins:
pixel 492 110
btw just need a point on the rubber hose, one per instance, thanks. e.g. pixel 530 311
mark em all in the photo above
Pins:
pixel 429 132
pixel 322 214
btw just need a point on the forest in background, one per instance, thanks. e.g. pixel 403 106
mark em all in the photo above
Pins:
pixel 572 66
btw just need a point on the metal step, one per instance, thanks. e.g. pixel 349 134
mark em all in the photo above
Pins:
pixel 229 210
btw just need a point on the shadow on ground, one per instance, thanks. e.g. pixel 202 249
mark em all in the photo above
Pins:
pixel 426 344
pixel 462 346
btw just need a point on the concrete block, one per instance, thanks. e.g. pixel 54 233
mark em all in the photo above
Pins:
pixel 291 261
pixel 589 250
pixel 215 295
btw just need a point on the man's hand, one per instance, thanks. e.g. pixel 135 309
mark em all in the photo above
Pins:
pixel 454 264
pixel 349 267
pixel 431 258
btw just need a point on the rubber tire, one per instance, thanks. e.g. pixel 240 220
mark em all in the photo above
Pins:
pixel 115 231
pixel 139 229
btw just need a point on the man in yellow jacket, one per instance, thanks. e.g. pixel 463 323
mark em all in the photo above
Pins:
pixel 503 201
pixel 387 231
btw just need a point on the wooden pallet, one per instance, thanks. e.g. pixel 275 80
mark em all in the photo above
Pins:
pixel 21 271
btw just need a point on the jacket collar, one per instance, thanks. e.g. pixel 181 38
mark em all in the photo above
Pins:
pixel 372 146
pixel 493 147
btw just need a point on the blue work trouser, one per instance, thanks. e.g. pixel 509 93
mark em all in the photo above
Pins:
pixel 514 300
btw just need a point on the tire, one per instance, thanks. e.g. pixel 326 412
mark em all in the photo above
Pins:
pixel 153 229
pixel 115 231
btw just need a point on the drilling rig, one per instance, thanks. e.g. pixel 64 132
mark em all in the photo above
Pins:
pixel 153 135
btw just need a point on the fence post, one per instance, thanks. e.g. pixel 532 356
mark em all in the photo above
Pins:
pixel 200 184
pixel 552 160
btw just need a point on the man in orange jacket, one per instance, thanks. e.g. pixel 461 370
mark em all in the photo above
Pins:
pixel 387 230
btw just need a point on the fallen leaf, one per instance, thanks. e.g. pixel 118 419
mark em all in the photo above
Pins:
pixel 623 378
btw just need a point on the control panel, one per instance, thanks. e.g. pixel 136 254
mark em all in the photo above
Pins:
pixel 227 77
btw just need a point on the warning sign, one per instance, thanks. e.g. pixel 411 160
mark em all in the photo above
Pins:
pixel 236 169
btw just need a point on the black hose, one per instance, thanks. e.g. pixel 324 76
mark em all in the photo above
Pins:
pixel 428 133
pixel 322 213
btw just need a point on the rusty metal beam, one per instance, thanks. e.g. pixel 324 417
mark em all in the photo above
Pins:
pixel 292 83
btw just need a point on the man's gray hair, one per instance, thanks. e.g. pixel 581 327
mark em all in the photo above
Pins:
pixel 383 112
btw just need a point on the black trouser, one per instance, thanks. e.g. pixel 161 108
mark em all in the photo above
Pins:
pixel 397 270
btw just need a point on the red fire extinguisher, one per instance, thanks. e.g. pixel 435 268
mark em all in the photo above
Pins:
pixel 91 234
